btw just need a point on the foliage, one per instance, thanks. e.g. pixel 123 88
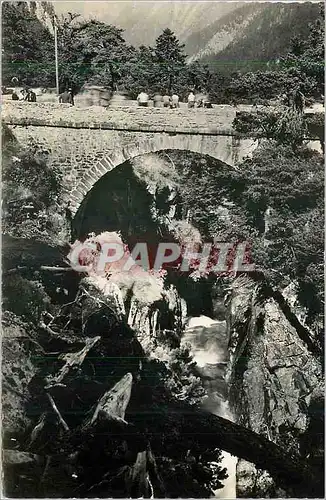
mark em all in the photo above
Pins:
pixel 199 76
pixel 95 53
pixel 302 65
pixel 285 125
pixel 27 44
pixel 308 55
pixel 283 198
pixel 262 86
pixel 162 69
pixel 273 201
pixel 30 202
pixel 33 299
pixel 194 475
pixel 208 194
pixel 141 72
pixel 283 179
pixel 169 58
pixel 183 382
pixel 91 52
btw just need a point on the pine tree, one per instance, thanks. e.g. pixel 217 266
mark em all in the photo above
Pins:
pixel 170 59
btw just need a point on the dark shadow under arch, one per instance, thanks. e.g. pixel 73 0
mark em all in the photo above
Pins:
pixel 120 201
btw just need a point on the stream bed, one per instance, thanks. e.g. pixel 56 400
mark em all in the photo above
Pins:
pixel 209 346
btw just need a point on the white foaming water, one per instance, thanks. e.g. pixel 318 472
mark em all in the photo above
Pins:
pixel 203 344
pixel 201 321
pixel 228 461
pixel 209 346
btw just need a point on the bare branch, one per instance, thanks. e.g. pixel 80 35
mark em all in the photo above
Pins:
pixel 55 409
pixel 72 359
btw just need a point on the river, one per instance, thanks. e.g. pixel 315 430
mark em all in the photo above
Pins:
pixel 208 340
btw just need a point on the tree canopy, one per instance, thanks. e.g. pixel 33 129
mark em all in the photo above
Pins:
pixel 27 45
pixel 169 58
pixel 93 52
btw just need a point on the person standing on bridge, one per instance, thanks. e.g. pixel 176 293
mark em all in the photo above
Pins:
pixel 22 95
pixel 191 100
pixel 30 96
pixel 66 97
pixel 71 95
pixel 166 100
pixel 143 99
pixel 157 100
pixel 175 101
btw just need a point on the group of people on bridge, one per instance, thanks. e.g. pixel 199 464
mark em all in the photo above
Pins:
pixel 294 99
pixel 24 95
pixel 167 100
pixel 30 96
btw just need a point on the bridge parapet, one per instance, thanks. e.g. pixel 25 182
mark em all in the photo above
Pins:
pixel 216 121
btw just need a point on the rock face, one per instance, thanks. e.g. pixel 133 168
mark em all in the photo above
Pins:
pixel 156 313
pixel 160 321
pixel 17 371
pixel 257 360
pixel 272 379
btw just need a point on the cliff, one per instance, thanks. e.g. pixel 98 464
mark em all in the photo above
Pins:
pixel 274 382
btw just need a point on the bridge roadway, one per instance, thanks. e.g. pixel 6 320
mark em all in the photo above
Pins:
pixel 215 121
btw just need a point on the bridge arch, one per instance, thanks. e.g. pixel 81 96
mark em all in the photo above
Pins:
pixel 227 149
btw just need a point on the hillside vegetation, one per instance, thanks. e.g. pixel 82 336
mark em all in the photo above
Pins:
pixel 256 52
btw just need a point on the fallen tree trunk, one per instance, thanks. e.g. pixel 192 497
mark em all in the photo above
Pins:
pixel 72 360
pixel 154 476
pixel 287 469
pixel 136 478
pixel 113 403
pixel 290 472
pixel 20 458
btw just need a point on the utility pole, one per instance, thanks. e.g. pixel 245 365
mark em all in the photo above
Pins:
pixel 56 55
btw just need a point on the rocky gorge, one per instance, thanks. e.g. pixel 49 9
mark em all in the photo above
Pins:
pixel 131 384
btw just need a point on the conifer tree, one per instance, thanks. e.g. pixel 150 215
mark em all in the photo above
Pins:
pixel 170 58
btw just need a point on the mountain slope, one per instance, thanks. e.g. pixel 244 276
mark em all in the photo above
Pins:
pixel 221 33
pixel 144 22
pixel 227 36
pixel 252 35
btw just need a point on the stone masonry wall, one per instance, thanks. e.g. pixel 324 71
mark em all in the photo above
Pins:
pixel 214 121
pixel 87 143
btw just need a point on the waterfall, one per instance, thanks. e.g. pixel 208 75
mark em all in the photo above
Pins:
pixel 209 341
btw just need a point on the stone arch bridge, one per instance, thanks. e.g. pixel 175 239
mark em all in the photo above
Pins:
pixel 87 143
